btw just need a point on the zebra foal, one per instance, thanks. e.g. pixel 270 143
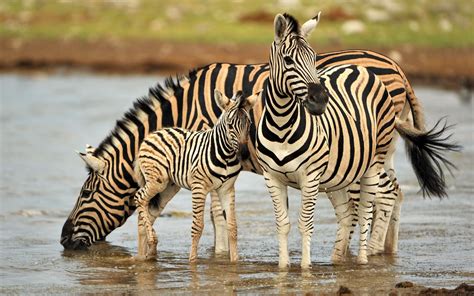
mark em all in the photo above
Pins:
pixel 174 158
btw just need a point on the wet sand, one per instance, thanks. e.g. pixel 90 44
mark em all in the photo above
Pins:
pixel 45 118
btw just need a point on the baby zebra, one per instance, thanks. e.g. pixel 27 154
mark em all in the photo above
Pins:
pixel 172 158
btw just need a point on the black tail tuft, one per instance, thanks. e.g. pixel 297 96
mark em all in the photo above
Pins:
pixel 425 151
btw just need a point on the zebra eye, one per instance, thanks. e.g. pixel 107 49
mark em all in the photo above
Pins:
pixel 86 193
pixel 288 60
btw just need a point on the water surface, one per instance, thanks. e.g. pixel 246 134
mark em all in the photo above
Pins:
pixel 45 118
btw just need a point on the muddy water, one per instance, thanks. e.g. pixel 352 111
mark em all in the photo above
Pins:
pixel 45 118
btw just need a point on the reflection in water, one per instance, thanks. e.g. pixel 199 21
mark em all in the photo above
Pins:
pixel 110 265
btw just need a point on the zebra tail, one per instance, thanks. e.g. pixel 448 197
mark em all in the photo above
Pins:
pixel 415 105
pixel 426 151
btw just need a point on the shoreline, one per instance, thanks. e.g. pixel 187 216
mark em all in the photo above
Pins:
pixel 447 67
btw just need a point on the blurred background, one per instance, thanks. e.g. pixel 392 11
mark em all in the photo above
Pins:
pixel 431 39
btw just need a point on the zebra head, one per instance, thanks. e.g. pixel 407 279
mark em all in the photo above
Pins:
pixel 235 118
pixel 292 64
pixel 97 211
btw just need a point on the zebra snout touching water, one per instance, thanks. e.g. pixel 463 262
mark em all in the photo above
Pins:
pixel 202 161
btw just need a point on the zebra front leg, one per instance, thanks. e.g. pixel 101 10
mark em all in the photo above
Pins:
pixel 218 219
pixel 279 194
pixel 199 201
pixel 227 200
pixel 384 204
pixel 368 190
pixel 309 195
pixel 344 210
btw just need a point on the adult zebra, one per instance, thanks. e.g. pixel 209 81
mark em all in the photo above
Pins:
pixel 301 144
pixel 104 200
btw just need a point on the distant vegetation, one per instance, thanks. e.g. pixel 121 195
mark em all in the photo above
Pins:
pixel 433 23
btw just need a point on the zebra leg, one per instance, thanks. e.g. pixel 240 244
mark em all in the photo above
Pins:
pixel 306 220
pixel 227 200
pixel 199 201
pixel 384 204
pixel 391 239
pixel 142 200
pixel 218 219
pixel 279 195
pixel 156 206
pixel 368 189
pixel 344 210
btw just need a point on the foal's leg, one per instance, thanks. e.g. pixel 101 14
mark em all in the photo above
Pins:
pixel 227 199
pixel 156 206
pixel 199 201
pixel 218 219
pixel 142 200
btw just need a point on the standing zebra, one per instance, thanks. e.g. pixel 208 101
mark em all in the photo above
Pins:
pixel 105 200
pixel 313 140
pixel 199 161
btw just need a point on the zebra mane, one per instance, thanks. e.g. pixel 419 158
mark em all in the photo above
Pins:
pixel 293 25
pixel 145 106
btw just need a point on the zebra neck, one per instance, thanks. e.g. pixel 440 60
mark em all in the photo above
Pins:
pixel 281 113
pixel 220 140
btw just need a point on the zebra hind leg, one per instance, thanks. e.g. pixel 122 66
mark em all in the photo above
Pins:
pixel 384 205
pixel 145 222
pixel 344 209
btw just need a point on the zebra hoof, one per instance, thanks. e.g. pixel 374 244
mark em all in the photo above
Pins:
pixel 362 260
pixel 284 265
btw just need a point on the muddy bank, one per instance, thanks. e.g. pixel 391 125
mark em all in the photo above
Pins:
pixel 451 68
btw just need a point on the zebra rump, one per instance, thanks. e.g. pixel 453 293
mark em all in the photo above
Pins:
pixel 425 150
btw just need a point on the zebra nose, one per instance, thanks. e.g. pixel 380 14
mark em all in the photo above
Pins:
pixel 317 99
pixel 66 233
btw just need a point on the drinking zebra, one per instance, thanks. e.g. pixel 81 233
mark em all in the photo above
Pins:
pixel 316 138
pixel 200 161
pixel 105 200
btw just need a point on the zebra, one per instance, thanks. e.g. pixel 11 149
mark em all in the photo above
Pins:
pixel 105 200
pixel 301 144
pixel 201 161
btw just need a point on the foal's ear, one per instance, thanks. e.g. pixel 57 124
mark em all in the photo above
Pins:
pixel 252 99
pixel 309 26
pixel 280 27
pixel 222 100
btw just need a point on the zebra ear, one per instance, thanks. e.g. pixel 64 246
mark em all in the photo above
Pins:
pixel 222 100
pixel 309 26
pixel 96 164
pixel 280 27
pixel 251 100
pixel 89 149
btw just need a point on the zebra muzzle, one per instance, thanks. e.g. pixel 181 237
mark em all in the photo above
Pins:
pixel 317 99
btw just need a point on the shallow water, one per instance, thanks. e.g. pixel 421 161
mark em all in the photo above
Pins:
pixel 45 118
